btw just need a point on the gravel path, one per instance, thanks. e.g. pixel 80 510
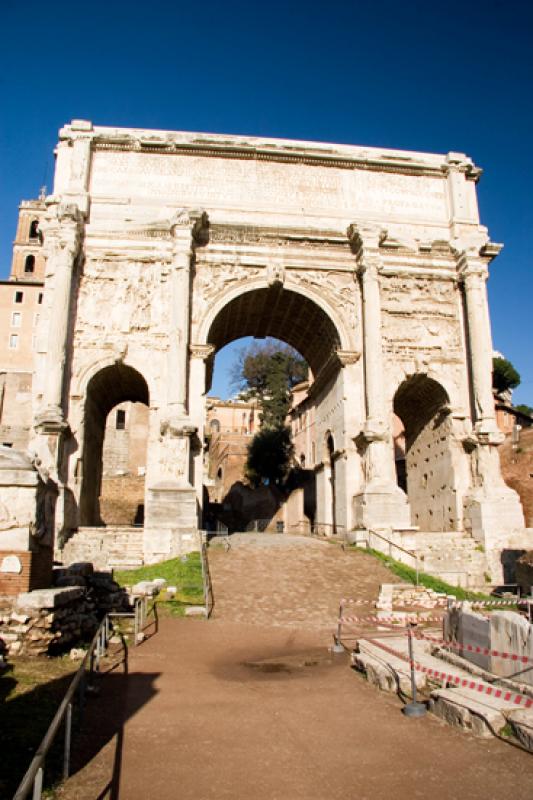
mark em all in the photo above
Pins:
pixel 289 581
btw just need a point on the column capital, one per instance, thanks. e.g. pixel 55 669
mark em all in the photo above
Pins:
pixel 472 268
pixel 201 351
pixel 63 228
pixel 365 240
pixel 190 225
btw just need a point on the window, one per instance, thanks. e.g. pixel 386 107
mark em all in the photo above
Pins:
pixel 35 320
pixel 29 264
pixel 19 297
pixel 40 298
pixel 7 444
pixel 15 319
pixel 120 423
pixel 214 425
pixel 13 341
pixel 34 229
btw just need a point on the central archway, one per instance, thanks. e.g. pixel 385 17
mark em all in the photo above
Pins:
pixel 308 326
pixel 283 314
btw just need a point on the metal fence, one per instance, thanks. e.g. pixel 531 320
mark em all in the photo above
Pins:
pixel 80 684
pixel 206 576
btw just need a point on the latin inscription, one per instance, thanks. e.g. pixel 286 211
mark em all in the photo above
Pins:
pixel 266 185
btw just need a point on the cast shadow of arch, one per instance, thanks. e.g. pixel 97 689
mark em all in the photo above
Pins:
pixel 119 695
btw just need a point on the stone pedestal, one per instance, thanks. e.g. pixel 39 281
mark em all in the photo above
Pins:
pixel 381 507
pixel 26 525
pixel 171 505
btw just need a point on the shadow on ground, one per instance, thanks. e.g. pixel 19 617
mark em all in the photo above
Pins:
pixel 26 717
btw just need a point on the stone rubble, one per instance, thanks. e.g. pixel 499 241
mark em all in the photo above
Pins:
pixel 48 621
pixel 404 595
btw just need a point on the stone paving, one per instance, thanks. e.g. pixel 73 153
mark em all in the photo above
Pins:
pixel 289 581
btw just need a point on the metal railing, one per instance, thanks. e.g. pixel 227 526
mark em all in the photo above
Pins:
pixel 34 777
pixel 206 576
pixel 390 545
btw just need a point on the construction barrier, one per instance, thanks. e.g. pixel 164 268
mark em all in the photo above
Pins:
pixel 485 651
pixel 457 680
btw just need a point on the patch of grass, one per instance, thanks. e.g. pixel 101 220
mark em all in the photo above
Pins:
pixel 31 690
pixel 408 574
pixel 185 573
pixel 507 731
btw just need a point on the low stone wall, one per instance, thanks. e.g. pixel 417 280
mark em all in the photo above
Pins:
pixel 405 595
pixel 49 621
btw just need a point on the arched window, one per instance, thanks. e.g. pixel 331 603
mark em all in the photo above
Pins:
pixel 34 229
pixel 214 425
pixel 29 264
pixel 302 460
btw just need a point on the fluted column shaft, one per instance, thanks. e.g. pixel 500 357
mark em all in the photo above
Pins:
pixel 63 241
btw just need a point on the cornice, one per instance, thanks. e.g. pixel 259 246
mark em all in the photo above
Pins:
pixel 260 149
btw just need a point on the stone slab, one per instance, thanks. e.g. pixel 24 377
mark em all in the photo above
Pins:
pixel 466 709
pixel 48 598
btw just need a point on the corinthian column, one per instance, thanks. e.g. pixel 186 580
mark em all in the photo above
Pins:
pixel 474 274
pixel 186 231
pixel 492 509
pixel 62 240
pixel 381 502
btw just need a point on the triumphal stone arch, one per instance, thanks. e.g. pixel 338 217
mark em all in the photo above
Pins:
pixel 162 247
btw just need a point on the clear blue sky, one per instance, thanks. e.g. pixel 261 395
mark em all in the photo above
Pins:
pixel 433 76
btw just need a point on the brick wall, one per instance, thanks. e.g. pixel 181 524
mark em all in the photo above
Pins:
pixel 36 571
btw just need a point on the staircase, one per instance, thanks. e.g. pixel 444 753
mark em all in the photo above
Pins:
pixel 451 556
pixel 112 547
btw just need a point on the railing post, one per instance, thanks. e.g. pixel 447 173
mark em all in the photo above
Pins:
pixel 414 708
pixel 38 784
pixel 136 623
pixel 68 735
pixel 337 643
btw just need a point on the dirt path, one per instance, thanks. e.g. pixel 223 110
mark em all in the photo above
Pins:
pixel 289 581
pixel 228 709
pixel 200 718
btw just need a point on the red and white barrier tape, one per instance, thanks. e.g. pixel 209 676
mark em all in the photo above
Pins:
pixel 407 619
pixel 485 651
pixel 482 603
pixel 466 683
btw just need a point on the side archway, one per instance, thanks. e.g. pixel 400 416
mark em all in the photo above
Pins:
pixel 428 473
pixel 111 385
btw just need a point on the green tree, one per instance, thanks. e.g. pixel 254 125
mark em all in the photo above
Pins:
pixel 525 409
pixel 504 375
pixel 268 371
pixel 269 456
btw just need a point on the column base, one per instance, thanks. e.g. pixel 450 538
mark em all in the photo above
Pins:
pixel 381 507
pixel 50 420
